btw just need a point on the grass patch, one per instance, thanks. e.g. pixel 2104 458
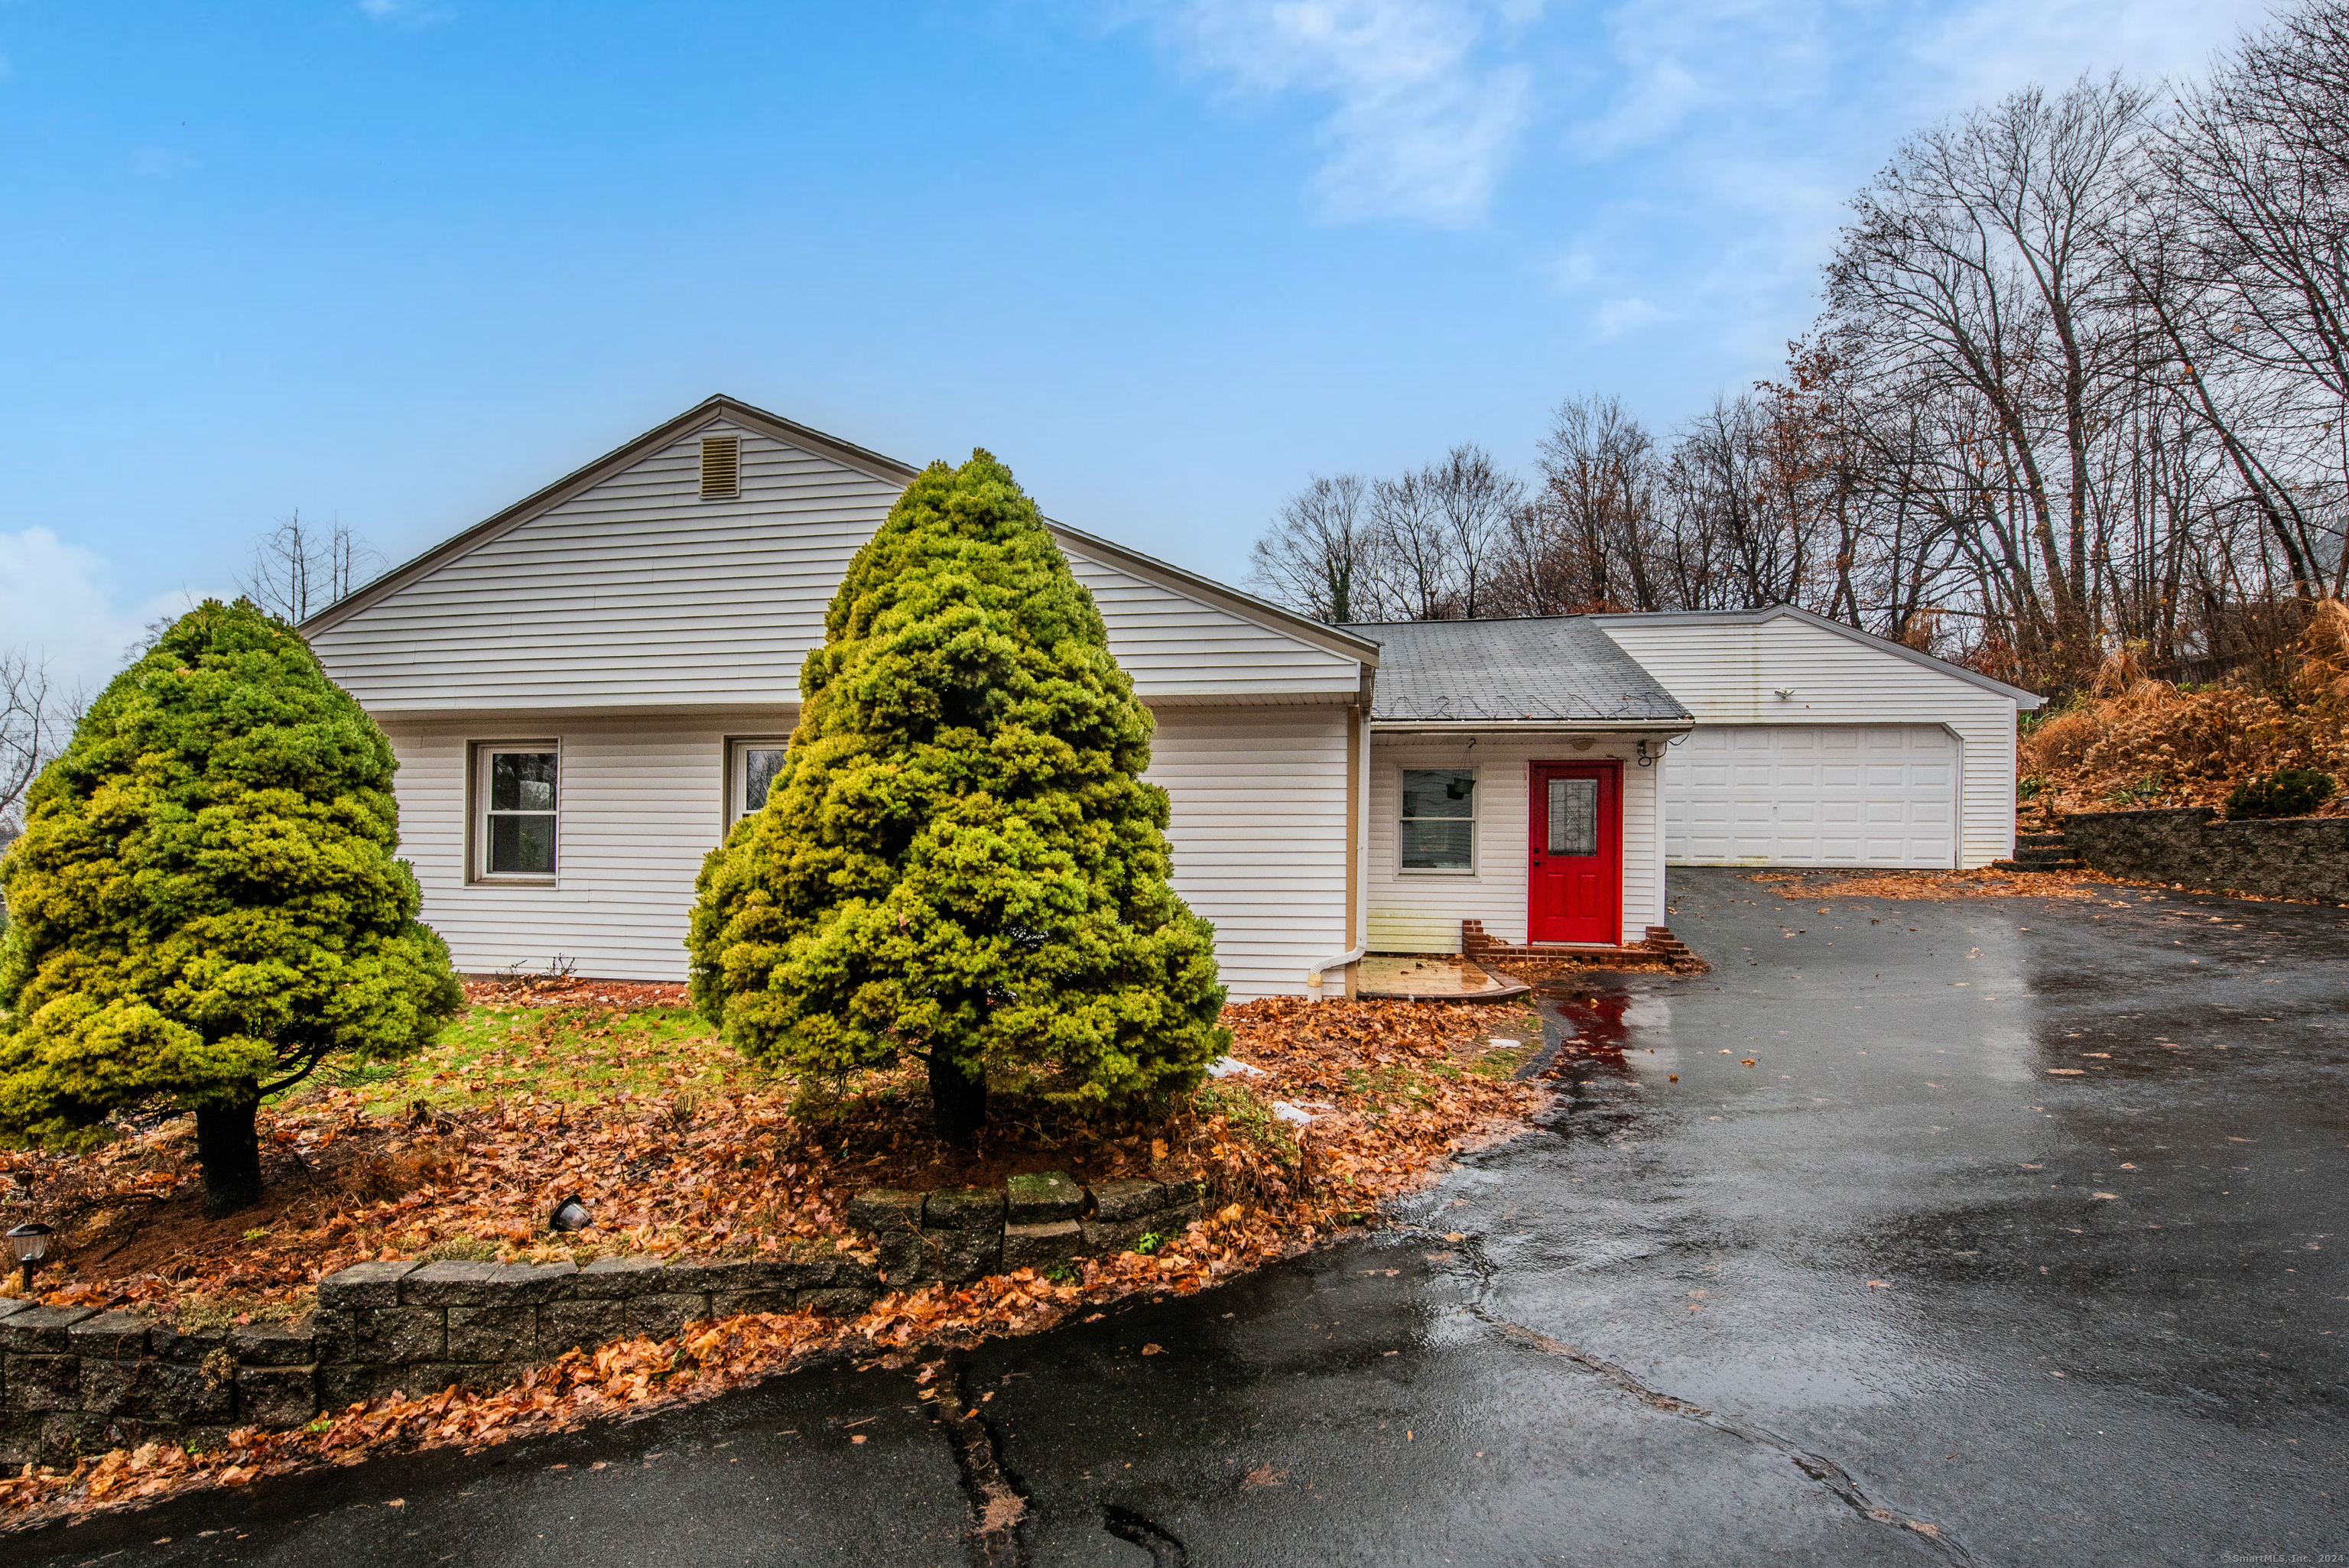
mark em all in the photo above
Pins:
pixel 1249 1115
pixel 576 1054
pixel 1501 1062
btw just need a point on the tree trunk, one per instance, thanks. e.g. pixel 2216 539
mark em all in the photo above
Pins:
pixel 957 1099
pixel 229 1149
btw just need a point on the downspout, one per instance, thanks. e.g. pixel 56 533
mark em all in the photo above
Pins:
pixel 1361 849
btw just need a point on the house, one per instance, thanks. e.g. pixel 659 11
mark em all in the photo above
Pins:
pixel 585 691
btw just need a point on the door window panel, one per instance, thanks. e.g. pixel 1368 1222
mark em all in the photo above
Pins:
pixel 1574 817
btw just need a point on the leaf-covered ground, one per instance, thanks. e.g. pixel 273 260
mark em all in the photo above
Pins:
pixel 679 1149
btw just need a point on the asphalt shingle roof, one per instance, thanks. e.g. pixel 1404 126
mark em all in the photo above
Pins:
pixel 1559 667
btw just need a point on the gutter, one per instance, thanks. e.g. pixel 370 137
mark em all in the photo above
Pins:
pixel 1531 725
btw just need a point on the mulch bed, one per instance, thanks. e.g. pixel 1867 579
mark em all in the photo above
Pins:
pixel 1394 1090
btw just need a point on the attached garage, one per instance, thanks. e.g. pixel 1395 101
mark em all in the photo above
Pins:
pixel 1817 744
pixel 1812 794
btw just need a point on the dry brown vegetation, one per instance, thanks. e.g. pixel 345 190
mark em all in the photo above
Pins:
pixel 2136 742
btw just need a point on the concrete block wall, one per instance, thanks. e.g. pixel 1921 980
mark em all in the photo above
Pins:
pixel 75 1380
pixel 2286 857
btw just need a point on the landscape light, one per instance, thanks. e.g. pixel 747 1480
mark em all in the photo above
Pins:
pixel 30 1242
pixel 570 1215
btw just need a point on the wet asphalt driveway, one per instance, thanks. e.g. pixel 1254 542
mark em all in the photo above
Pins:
pixel 1899 1291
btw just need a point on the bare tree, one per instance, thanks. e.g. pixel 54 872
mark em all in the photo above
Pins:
pixel 1421 580
pixel 1473 502
pixel 1973 272
pixel 1320 557
pixel 298 570
pixel 36 719
pixel 2255 166
pixel 1591 544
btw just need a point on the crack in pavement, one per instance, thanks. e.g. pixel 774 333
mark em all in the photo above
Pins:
pixel 1166 1552
pixel 996 1506
pixel 1819 1468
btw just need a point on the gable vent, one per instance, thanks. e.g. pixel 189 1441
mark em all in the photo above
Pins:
pixel 721 467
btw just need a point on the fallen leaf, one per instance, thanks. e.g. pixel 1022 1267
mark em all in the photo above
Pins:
pixel 1153 1350
pixel 1879 1284
pixel 2069 1072
pixel 856 1438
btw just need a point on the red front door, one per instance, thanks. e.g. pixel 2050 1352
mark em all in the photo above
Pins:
pixel 1576 890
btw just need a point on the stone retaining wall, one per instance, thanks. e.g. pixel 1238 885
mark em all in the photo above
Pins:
pixel 76 1380
pixel 2288 857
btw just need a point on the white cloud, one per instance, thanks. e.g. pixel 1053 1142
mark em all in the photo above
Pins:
pixel 1983 51
pixel 56 604
pixel 1424 119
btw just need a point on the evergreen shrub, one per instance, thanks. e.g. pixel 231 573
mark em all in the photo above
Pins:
pixel 2289 792
pixel 205 905
pixel 959 863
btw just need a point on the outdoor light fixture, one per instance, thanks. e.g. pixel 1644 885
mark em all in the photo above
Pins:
pixel 1645 760
pixel 30 1242
pixel 570 1215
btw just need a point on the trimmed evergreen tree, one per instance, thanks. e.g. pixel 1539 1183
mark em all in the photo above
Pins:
pixel 204 905
pixel 959 863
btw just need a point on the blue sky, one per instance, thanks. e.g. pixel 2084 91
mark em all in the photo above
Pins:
pixel 399 263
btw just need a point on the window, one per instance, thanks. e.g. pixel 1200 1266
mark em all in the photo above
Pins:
pixel 515 834
pixel 1438 831
pixel 750 772
pixel 721 467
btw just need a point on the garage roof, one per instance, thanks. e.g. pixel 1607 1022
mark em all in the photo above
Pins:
pixel 1560 669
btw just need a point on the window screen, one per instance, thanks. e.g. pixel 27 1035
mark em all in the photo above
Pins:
pixel 1438 830
pixel 1574 817
pixel 518 827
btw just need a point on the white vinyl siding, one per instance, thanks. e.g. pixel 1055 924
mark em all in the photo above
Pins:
pixel 641 804
pixel 1825 795
pixel 1177 648
pixel 638 593
pixel 1420 913
pixel 1729 674
pixel 1260 837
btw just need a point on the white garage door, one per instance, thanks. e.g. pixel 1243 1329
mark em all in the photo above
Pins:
pixel 1812 795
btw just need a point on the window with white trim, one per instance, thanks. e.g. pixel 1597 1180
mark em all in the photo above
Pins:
pixel 517 810
pixel 1438 828
pixel 751 773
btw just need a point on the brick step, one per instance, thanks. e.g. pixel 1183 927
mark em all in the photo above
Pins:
pixel 1477 947
pixel 2036 864
pixel 2039 840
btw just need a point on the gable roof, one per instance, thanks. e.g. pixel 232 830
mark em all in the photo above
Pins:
pixel 2022 700
pixel 1555 669
pixel 721 408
